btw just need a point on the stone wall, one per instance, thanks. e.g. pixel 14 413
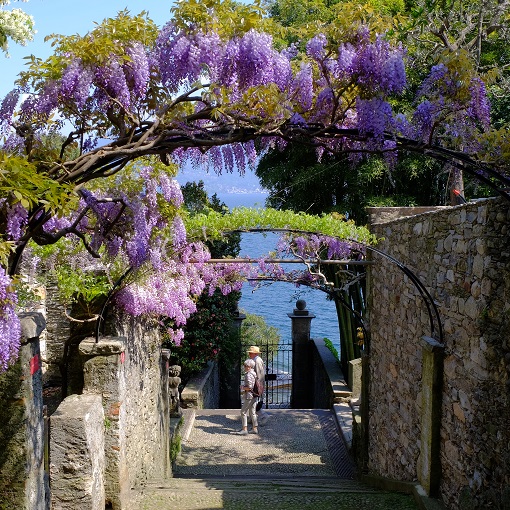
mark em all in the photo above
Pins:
pixel 140 411
pixel 203 390
pixel 328 381
pixel 129 375
pixel 23 482
pixel 462 255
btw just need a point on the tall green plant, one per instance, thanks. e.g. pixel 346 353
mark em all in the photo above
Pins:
pixel 349 298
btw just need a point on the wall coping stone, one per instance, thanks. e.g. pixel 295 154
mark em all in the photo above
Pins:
pixel 107 346
pixel 381 215
pixel 378 215
pixel 431 344
pixel 32 324
pixel 195 386
pixel 333 370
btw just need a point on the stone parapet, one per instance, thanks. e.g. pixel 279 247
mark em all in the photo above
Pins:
pixel 78 454
pixel 328 383
pixel 202 390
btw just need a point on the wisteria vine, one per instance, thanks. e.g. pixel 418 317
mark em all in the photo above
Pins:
pixel 191 94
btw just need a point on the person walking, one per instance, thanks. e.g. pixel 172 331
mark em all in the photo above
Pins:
pixel 260 370
pixel 249 401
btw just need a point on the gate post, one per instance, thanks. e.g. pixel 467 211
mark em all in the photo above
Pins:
pixel 429 461
pixel 302 367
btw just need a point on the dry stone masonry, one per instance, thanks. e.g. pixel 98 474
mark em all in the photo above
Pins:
pixel 462 255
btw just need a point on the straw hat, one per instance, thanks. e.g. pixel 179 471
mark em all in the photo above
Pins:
pixel 254 349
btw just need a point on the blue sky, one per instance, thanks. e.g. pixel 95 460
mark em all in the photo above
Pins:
pixel 69 17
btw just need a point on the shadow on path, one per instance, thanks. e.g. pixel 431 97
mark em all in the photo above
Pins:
pixel 293 443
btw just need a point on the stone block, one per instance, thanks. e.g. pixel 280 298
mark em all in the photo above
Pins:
pixel 22 483
pixel 32 325
pixel 77 454
pixel 355 377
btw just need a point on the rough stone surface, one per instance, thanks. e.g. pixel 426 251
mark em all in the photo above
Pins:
pixel 462 256
pixel 134 409
pixel 22 481
pixel 355 377
pixel 291 464
pixel 293 443
pixel 32 325
pixel 104 347
pixel 57 333
pixel 282 494
pixel 77 454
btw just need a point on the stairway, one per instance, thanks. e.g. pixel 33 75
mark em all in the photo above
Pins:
pixel 298 461
pixel 242 493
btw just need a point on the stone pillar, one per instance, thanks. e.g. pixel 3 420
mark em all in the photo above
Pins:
pixel 429 461
pixel 23 483
pixel 58 331
pixel 231 376
pixel 302 366
pixel 104 374
pixel 77 454
pixel 354 377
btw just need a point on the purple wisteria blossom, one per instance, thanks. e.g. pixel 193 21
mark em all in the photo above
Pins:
pixel 17 217
pixel 315 48
pixel 54 224
pixel 375 116
pixel 10 328
pixel 178 233
pixel 76 83
pixel 137 70
pixel 7 108
pixel 112 83
pixel 380 67
pixel 171 190
pixel 302 87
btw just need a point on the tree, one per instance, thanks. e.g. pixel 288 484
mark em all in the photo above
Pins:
pixel 199 90
pixel 16 25
pixel 479 28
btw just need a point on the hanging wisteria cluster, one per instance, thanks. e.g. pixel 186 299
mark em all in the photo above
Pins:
pixel 10 328
pixel 244 82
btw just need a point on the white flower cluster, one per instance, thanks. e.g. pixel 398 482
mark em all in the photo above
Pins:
pixel 16 25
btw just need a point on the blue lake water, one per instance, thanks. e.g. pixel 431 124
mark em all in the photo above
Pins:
pixel 276 300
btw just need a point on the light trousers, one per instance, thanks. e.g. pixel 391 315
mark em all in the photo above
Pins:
pixel 248 407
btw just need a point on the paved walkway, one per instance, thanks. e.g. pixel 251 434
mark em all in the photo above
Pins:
pixel 294 442
pixel 298 461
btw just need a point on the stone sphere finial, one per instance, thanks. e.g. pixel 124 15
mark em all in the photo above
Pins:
pixel 300 304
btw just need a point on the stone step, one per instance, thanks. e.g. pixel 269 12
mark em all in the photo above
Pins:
pixel 244 493
pixel 257 484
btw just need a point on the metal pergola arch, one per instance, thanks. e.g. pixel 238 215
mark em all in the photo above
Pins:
pixel 436 328
pixel 433 312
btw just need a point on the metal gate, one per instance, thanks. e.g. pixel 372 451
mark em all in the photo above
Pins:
pixel 278 361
